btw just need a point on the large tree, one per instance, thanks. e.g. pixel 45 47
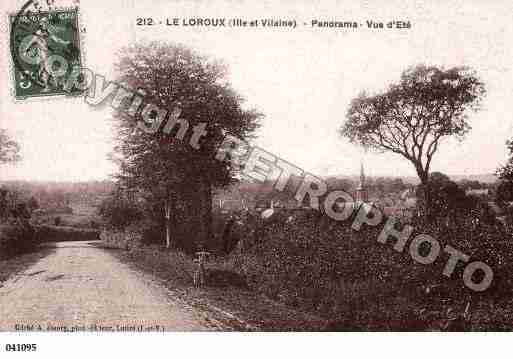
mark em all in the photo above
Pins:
pixel 413 116
pixel 169 171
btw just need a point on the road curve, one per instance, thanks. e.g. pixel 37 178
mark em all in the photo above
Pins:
pixel 82 286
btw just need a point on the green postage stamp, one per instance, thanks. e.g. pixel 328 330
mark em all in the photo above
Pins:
pixel 45 50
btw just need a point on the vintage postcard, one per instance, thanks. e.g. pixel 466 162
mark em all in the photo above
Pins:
pixel 234 166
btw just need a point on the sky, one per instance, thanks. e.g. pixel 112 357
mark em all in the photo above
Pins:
pixel 301 79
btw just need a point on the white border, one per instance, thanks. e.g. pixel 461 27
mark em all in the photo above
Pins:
pixel 262 345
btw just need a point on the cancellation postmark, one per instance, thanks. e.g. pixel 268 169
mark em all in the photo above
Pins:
pixel 45 50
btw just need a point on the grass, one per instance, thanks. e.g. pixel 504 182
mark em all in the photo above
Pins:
pixel 83 216
pixel 320 269
pixel 226 299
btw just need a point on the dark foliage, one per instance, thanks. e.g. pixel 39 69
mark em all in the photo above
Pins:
pixel 47 233
pixel 17 238
pixel 119 211
pixel 164 166
pixel 318 265
pixel 505 173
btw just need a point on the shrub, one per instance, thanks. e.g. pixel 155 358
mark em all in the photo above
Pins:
pixel 17 239
pixel 308 261
pixel 151 232
pixel 119 212
pixel 145 232
pixel 116 239
pixel 48 233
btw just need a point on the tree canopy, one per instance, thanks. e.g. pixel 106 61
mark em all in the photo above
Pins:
pixel 9 149
pixel 505 174
pixel 170 76
pixel 411 117
pixel 166 167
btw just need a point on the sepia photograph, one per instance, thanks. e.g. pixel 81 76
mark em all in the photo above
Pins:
pixel 234 166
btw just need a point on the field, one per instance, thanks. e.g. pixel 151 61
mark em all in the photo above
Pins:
pixel 83 215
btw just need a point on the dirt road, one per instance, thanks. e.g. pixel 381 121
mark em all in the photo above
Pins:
pixel 82 285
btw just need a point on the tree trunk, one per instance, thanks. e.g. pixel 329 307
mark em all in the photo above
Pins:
pixel 426 196
pixel 205 212
pixel 168 233
pixel 167 212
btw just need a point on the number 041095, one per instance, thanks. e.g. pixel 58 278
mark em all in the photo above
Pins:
pixel 20 347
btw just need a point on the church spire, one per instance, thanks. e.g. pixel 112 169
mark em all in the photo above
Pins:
pixel 361 191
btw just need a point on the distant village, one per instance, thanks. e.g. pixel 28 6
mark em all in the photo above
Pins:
pixel 394 196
